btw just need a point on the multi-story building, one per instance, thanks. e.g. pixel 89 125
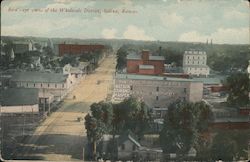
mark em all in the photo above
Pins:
pixel 156 91
pixel 195 63
pixel 145 63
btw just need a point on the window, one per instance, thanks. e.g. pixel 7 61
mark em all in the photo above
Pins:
pixel 55 85
pixel 157 98
pixel 123 146
pixel 185 90
pixel 63 85
pixel 41 85
pixel 34 85
pixel 48 85
pixel 157 89
pixel 131 88
pixel 27 84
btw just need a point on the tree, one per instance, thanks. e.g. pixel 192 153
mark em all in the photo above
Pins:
pixel 103 112
pixel 182 125
pixel 238 88
pixel 95 131
pixel 223 147
pixel 131 114
pixel 121 58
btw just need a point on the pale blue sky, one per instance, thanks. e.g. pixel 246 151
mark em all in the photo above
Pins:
pixel 224 21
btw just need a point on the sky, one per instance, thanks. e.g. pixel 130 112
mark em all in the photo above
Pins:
pixel 223 21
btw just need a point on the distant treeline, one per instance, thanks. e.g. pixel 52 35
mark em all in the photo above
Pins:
pixel 222 58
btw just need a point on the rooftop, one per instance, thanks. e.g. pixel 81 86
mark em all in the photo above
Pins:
pixel 19 96
pixel 150 77
pixel 146 67
pixel 132 56
pixel 39 77
pixel 215 80
pixel 196 66
pixel 195 52
pixel 156 58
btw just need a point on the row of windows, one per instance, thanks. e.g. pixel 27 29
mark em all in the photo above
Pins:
pixel 197 62
pixel 189 57
pixel 157 89
pixel 157 98
pixel 43 85
pixel 197 68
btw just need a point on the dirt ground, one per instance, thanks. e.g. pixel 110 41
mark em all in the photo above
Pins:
pixel 61 136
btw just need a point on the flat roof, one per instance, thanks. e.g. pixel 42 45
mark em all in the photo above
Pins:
pixel 40 77
pixel 138 57
pixel 133 57
pixel 156 58
pixel 151 77
pixel 146 67
pixel 208 80
pixel 19 96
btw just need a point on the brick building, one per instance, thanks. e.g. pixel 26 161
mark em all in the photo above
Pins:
pixel 77 49
pixel 145 63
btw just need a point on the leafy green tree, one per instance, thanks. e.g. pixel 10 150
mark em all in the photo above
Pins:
pixel 131 114
pixel 95 130
pixel 103 111
pixel 182 126
pixel 121 58
pixel 238 88
pixel 223 147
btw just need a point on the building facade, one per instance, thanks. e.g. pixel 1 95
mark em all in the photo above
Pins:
pixel 19 101
pixel 145 63
pixel 156 91
pixel 54 83
pixel 195 63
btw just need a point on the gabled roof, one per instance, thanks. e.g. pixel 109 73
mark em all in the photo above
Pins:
pixel 128 135
pixel 19 96
pixel 39 77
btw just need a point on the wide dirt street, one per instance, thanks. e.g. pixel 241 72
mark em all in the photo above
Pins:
pixel 61 136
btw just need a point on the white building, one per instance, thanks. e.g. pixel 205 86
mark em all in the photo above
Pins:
pixel 156 91
pixel 19 100
pixel 53 83
pixel 195 63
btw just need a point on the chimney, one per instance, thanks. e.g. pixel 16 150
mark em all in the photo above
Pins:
pixel 145 55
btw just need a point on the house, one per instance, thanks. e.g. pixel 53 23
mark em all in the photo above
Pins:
pixel 55 83
pixel 128 148
pixel 145 63
pixel 195 63
pixel 76 72
pixel 19 100
pixel 156 91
